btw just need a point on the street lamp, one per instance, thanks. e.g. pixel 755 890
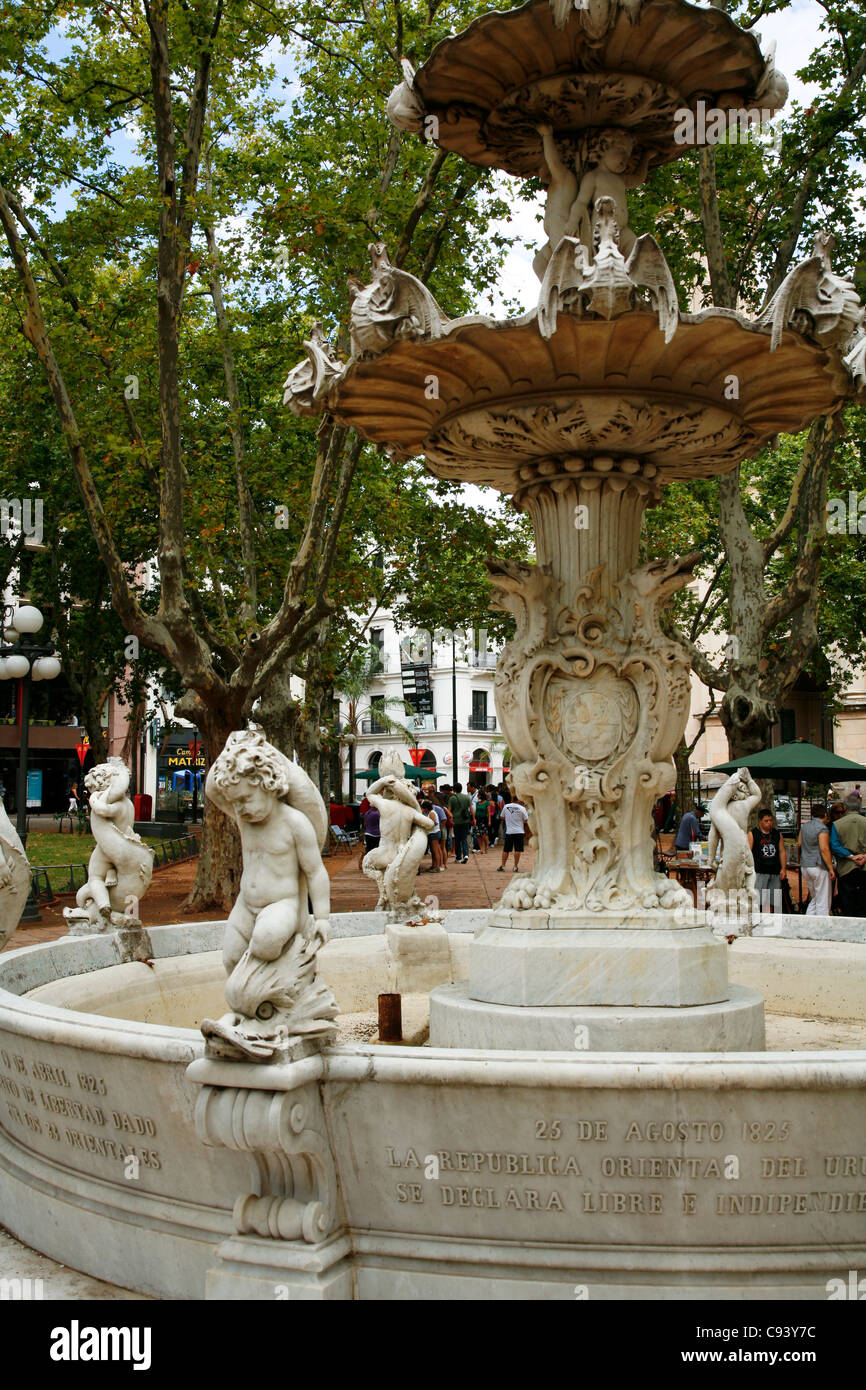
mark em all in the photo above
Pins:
pixel 25 662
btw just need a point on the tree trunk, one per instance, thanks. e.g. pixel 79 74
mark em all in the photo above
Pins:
pixel 92 701
pixel 747 717
pixel 218 877
pixel 683 793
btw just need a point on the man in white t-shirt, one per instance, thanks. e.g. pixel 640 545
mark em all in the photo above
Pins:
pixel 515 820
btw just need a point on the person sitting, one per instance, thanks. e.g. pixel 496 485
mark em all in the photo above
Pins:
pixel 690 827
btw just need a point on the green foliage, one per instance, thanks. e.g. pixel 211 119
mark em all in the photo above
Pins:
pixel 300 171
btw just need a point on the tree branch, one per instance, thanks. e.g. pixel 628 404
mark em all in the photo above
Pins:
pixel 131 614
pixel 817 454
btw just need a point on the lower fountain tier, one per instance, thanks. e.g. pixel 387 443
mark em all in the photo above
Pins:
pixel 643 968
pixel 598 989
pixel 490 402
pixel 735 1024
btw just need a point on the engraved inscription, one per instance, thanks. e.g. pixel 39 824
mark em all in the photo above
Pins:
pixel 573 1170
pixel 51 1109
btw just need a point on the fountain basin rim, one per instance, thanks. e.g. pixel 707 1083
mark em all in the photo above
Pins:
pixel 721 1071
pixel 40 1021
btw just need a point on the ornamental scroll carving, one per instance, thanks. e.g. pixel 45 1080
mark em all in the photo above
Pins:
pixel 293 1188
pixel 593 698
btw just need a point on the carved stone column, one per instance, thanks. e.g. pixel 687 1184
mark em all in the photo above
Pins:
pixel 592 696
pixel 289 1243
pixel 594 948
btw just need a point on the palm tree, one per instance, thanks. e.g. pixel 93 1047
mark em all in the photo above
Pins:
pixel 353 682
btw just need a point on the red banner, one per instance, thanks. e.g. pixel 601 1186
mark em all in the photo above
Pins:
pixel 416 754
pixel 82 749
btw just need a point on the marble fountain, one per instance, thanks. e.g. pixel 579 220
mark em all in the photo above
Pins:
pixel 595 1113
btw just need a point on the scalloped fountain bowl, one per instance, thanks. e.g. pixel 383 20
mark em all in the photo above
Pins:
pixel 631 1175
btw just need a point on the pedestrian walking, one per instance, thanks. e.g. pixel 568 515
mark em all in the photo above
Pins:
pixel 482 820
pixel 460 806
pixel 515 820
pixel 434 839
pixel 495 812
pixel 371 831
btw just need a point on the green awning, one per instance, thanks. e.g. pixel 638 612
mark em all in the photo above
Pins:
pixel 797 762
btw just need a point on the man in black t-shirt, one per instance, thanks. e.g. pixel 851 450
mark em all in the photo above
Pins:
pixel 771 864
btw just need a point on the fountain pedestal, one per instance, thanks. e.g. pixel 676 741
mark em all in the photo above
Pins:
pixel 594 949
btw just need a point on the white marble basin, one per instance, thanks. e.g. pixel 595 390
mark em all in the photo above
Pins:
pixel 101 1167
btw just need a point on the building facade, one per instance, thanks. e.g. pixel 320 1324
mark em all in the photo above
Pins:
pixel 440 679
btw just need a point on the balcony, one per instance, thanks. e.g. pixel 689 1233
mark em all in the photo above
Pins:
pixel 485 723
pixel 372 726
pixel 484 661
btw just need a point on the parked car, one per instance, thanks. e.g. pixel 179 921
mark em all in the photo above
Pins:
pixel 784 809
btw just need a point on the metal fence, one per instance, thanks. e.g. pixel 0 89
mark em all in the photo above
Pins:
pixel 51 879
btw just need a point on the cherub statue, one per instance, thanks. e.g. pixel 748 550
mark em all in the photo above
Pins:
pixel 14 878
pixel 271 939
pixel 734 883
pixel 570 204
pixel 403 829
pixel 121 865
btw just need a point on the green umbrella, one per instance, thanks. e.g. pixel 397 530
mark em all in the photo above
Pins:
pixel 797 762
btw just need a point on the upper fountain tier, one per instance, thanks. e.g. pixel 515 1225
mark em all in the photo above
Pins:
pixel 580 66
pixel 606 365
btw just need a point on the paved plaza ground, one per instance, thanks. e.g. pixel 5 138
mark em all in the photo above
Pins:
pixel 476 884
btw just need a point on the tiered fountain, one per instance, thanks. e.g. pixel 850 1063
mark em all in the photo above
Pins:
pixel 582 411
pixel 596 1116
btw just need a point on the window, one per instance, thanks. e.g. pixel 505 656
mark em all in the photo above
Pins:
pixel 377 710
pixel 788 725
